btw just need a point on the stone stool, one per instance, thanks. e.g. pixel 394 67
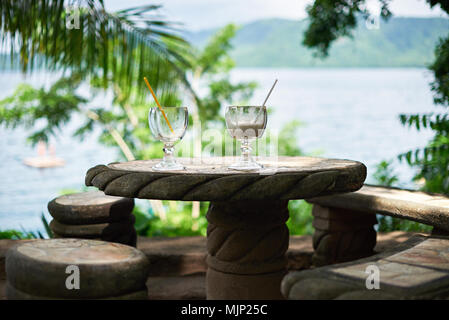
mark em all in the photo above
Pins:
pixel 93 215
pixel 44 269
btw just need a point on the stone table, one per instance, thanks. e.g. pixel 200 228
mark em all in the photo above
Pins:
pixel 246 237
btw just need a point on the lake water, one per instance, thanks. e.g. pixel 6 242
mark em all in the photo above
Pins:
pixel 347 113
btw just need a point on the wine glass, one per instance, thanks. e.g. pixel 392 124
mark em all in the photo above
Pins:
pixel 178 117
pixel 246 124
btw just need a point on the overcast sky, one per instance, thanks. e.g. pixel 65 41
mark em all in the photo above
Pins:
pixel 203 14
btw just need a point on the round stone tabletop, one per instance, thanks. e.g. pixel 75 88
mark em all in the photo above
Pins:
pixel 209 179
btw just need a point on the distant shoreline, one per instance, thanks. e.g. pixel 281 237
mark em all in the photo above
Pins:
pixel 400 42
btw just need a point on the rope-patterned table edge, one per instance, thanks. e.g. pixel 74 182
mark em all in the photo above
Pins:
pixel 225 187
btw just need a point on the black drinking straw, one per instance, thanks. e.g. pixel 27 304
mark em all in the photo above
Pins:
pixel 269 93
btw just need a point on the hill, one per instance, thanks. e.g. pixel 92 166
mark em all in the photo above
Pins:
pixel 399 42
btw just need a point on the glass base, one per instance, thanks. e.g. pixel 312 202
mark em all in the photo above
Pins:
pixel 242 165
pixel 168 166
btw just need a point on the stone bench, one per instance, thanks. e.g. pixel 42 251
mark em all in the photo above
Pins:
pixel 344 231
pixel 416 269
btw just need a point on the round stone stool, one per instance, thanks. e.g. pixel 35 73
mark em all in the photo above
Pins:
pixel 93 215
pixel 75 269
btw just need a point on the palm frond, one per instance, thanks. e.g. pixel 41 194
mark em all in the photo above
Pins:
pixel 120 47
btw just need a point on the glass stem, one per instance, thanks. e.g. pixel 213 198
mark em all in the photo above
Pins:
pixel 246 150
pixel 168 153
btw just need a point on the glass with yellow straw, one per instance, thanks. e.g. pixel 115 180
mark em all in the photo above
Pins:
pixel 168 125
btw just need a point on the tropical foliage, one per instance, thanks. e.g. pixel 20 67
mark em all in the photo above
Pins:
pixel 433 160
pixel 80 36
pixel 330 20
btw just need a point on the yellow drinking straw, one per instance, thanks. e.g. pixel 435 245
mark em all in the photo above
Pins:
pixel 157 102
